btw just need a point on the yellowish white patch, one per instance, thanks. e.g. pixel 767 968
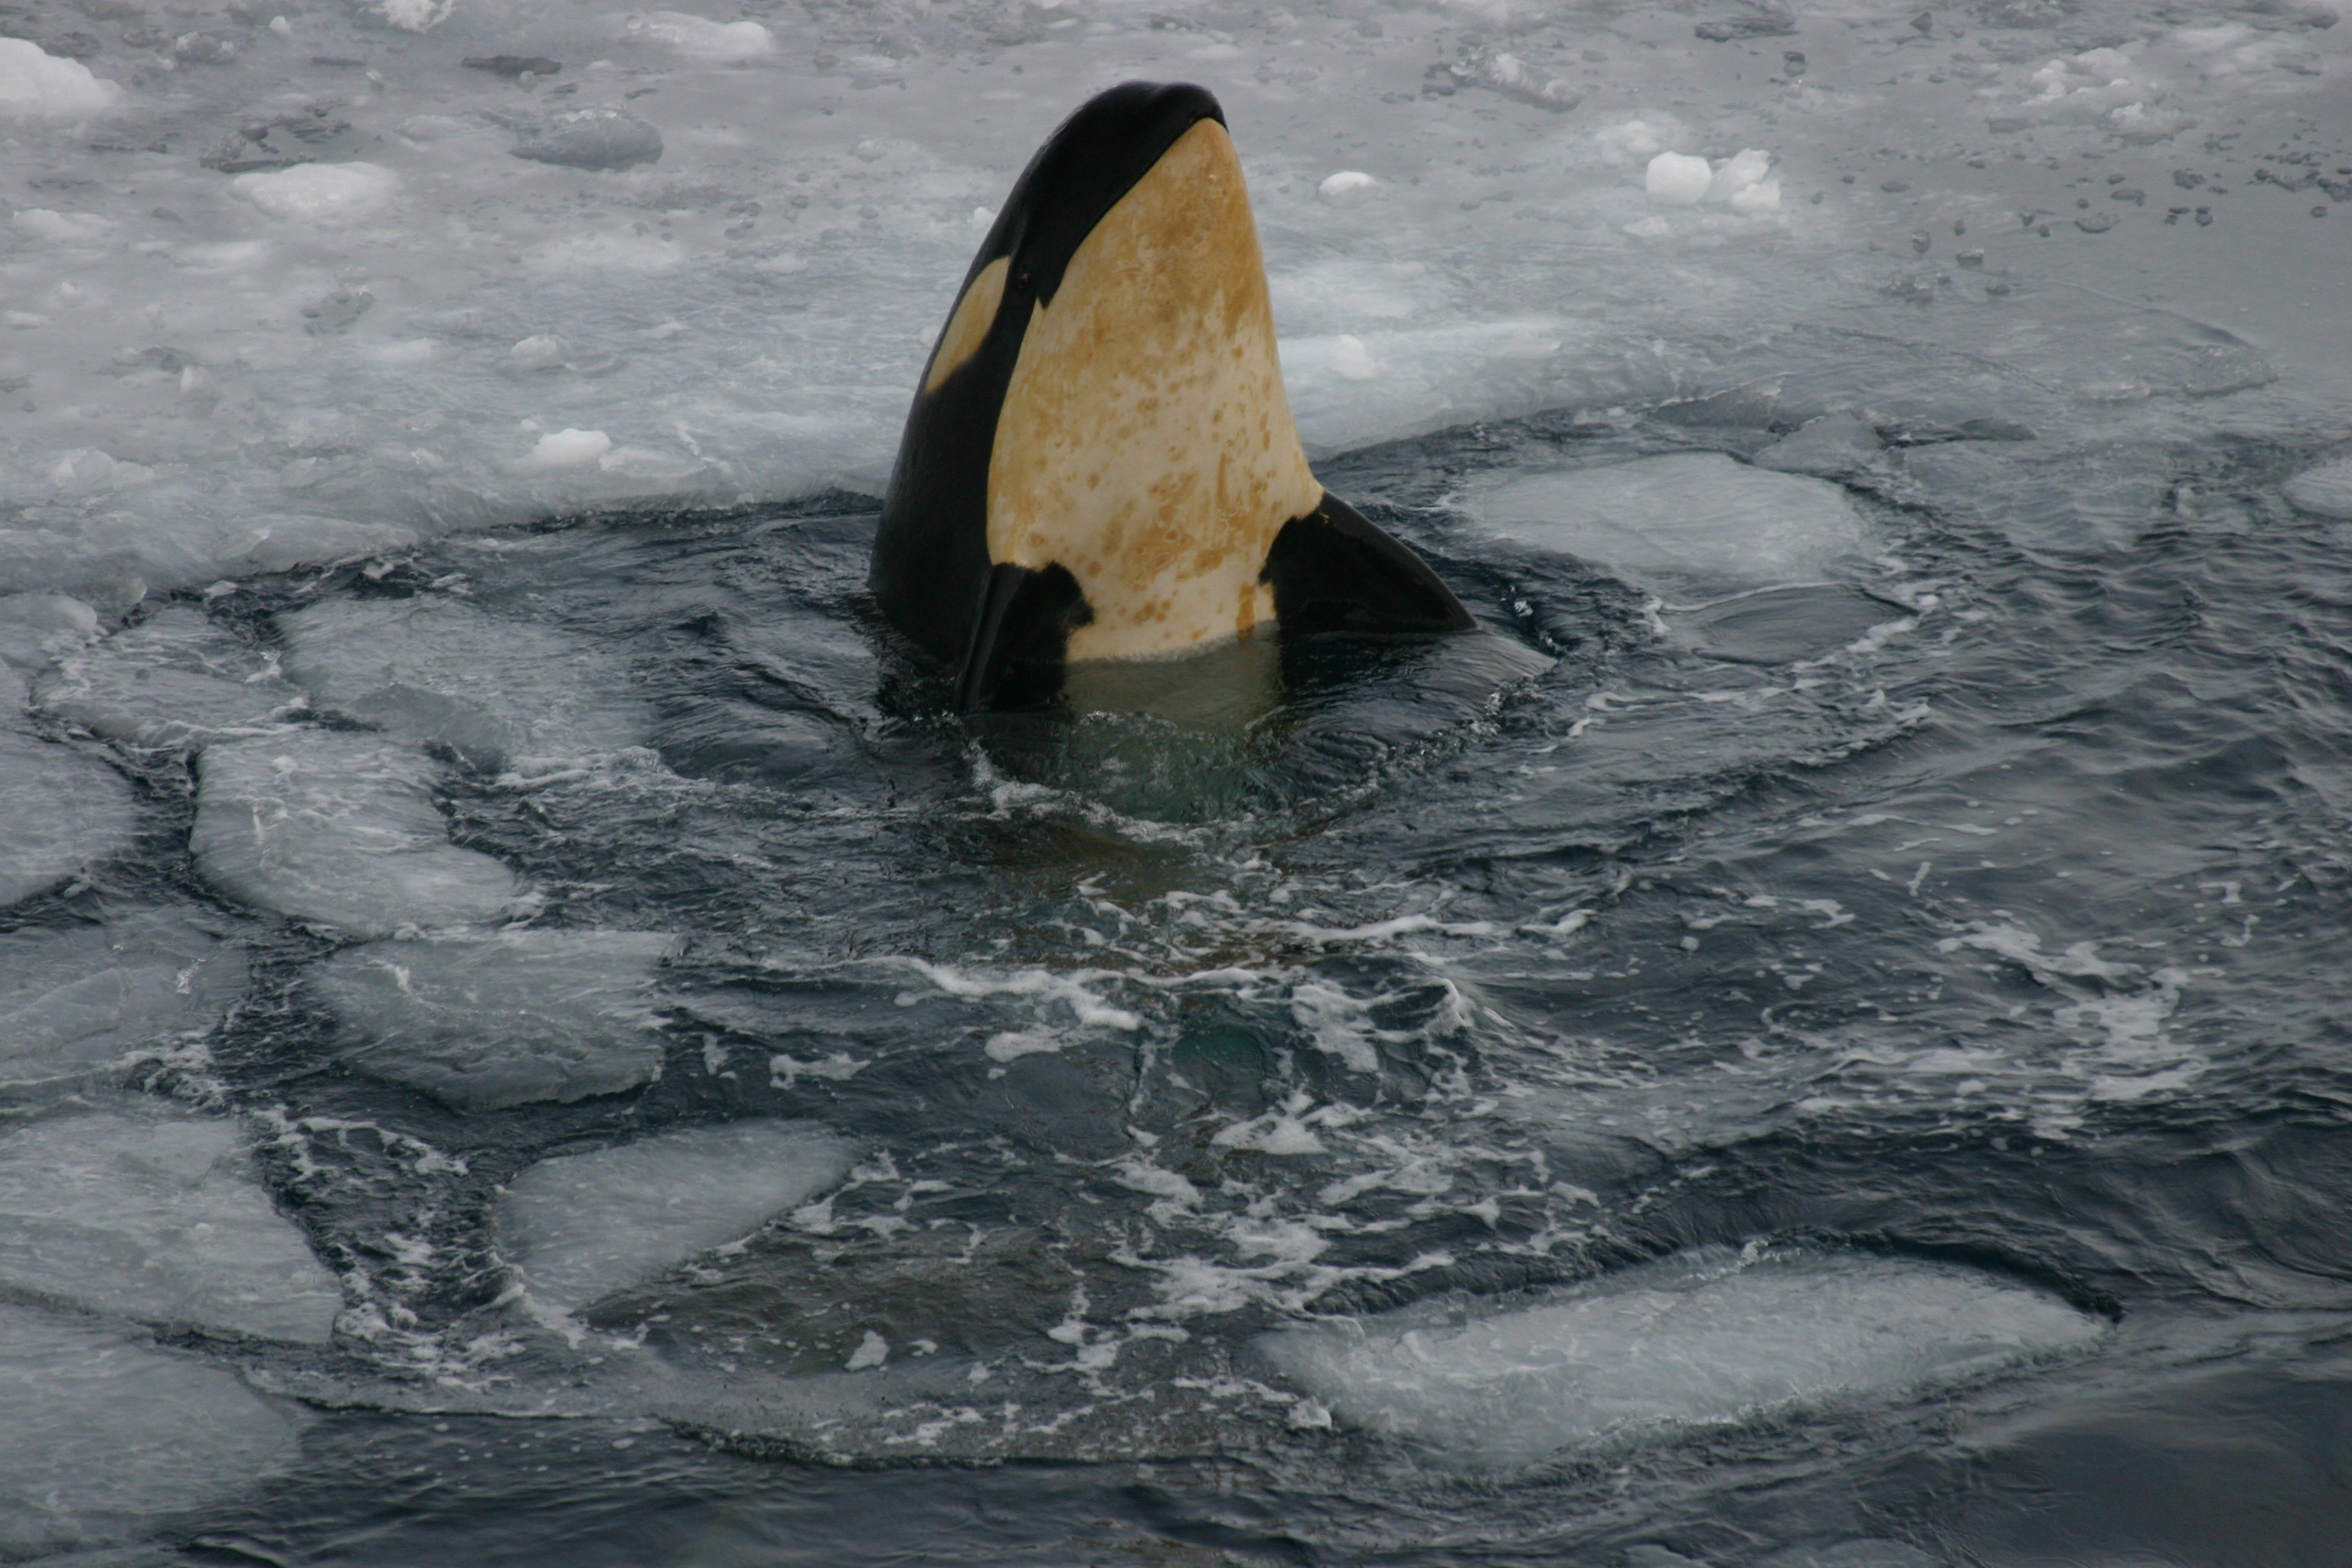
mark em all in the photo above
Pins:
pixel 1145 443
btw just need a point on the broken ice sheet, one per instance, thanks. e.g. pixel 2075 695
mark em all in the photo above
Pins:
pixel 105 1431
pixel 582 1226
pixel 73 1000
pixel 156 1215
pixel 341 829
pixel 176 679
pixel 60 811
pixel 493 690
pixel 484 1022
pixel 1701 1337
pixel 1692 518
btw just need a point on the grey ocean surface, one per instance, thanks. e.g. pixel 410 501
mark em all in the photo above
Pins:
pixel 1814 1038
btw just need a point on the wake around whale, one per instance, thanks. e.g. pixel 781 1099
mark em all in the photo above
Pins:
pixel 1100 463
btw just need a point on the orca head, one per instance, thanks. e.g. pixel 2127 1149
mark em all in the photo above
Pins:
pixel 1100 459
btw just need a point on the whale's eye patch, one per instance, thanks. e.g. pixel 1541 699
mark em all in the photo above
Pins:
pixel 974 314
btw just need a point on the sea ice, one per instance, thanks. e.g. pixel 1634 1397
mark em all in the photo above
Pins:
pixel 59 811
pixel 341 829
pixel 1702 1337
pixel 1828 447
pixel 37 85
pixel 105 1431
pixel 1698 517
pixel 157 1216
pixel 582 1226
pixel 321 193
pixel 36 628
pixel 71 1001
pixel 485 1023
pixel 1678 179
pixel 710 43
pixel 438 671
pixel 2324 491
pixel 175 679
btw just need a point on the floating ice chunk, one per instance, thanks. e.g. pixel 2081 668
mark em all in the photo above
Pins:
pixel 339 830
pixel 1347 188
pixel 598 137
pixel 157 1217
pixel 37 85
pixel 583 1226
pixel 86 470
pixel 322 194
pixel 1350 360
pixel 1629 141
pixel 1700 516
pixel 439 672
pixel 1705 1336
pixel 280 542
pixel 1756 200
pixel 175 679
pixel 560 449
pixel 38 627
pixel 413 15
pixel 2324 491
pixel 1743 171
pixel 72 1001
pixel 712 43
pixel 51 228
pixel 1830 446
pixel 481 1024
pixel 59 811
pixel 541 350
pixel 1677 180
pixel 105 1431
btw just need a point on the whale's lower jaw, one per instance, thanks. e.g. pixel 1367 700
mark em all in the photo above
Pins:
pixel 1328 571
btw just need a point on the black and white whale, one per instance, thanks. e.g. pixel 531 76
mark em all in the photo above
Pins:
pixel 1100 463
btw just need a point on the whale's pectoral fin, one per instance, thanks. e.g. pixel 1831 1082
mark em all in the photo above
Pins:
pixel 1333 571
pixel 1020 639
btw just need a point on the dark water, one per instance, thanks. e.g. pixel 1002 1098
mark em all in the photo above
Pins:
pixel 1980 907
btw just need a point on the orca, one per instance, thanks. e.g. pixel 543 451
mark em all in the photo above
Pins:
pixel 1100 462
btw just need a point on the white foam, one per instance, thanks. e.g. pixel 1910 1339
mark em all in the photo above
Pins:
pixel 482 1023
pixel 106 1432
pixel 38 85
pixel 1703 1337
pixel 1699 516
pixel 583 1226
pixel 436 670
pixel 72 1001
pixel 60 812
pixel 341 829
pixel 176 679
pixel 157 1217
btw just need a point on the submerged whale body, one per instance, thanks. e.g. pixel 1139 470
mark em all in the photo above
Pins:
pixel 1100 462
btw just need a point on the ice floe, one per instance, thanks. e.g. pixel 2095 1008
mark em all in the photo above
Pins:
pixel 72 1001
pixel 157 1216
pixel 583 1226
pixel 1693 517
pixel 1707 1336
pixel 482 1023
pixel 2324 491
pixel 176 679
pixel 105 1431
pixel 60 812
pixel 341 829
pixel 438 671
